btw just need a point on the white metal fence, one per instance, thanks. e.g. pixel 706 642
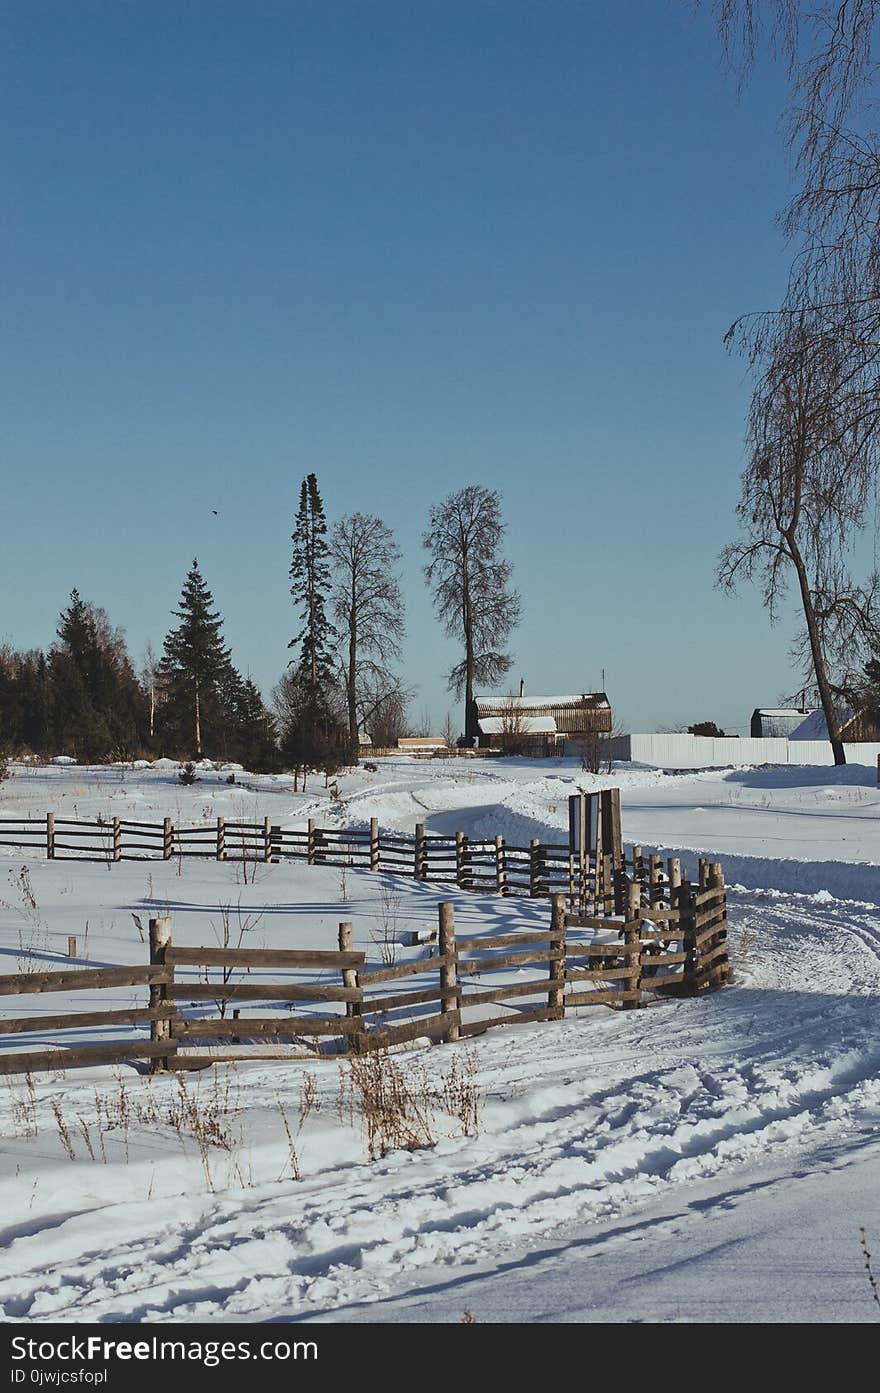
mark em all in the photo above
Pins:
pixel 707 752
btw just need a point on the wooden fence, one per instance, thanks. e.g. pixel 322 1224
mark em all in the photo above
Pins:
pixel 587 867
pixel 671 937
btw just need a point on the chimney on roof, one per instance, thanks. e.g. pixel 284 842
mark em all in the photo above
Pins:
pixel 522 687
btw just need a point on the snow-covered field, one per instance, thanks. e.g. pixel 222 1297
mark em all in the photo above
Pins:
pixel 709 1159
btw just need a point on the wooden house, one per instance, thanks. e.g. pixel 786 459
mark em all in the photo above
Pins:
pixel 540 724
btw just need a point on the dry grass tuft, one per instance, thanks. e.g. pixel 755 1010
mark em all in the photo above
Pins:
pixel 400 1109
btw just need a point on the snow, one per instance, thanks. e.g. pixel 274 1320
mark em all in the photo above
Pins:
pixel 526 725
pixel 698 1160
pixel 815 726
pixel 596 700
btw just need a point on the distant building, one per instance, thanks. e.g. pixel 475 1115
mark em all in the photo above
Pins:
pixel 540 724
pixel 768 722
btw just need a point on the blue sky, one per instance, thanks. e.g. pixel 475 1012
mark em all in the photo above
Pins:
pixel 407 246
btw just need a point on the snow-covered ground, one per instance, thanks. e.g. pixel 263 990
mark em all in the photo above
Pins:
pixel 709 1159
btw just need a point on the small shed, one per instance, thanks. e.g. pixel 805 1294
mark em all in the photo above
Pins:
pixel 775 722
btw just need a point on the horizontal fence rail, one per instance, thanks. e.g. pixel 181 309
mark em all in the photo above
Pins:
pixel 670 937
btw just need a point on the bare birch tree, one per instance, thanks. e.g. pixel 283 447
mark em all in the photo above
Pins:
pixel 368 607
pixel 471 586
pixel 804 493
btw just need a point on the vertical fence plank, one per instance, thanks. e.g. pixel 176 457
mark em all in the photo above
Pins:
pixel 221 839
pixel 160 1031
pixel 500 867
pixel 310 847
pixel 50 836
pixel 716 880
pixel 632 935
pixel 556 996
pixel 449 971
pixel 374 844
pixel 688 926
pixel 420 868
pixel 167 839
pixel 655 880
pixel 117 840
pixel 534 868
pixel 267 839
pixel 459 859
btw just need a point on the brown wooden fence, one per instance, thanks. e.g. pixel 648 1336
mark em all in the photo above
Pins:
pixel 587 867
pixel 671 937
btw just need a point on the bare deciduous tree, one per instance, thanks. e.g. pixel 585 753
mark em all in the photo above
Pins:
pixel 833 219
pixel 471 585
pixel 513 726
pixel 804 494
pixel 368 606
pixel 382 709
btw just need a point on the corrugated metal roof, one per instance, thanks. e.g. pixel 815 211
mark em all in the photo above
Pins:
pixel 495 705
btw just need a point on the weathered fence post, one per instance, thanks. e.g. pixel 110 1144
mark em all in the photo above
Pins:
pixel 534 868
pixel 374 844
pixel 167 839
pixel 655 880
pixel 687 919
pixel 221 839
pixel 310 844
pixel 160 1031
pixel 638 864
pixel 673 871
pixel 556 997
pixel 420 854
pixel 71 945
pixel 500 867
pixel 632 937
pixel 451 1004
pixel 578 849
pixel 703 870
pixel 267 839
pixel 50 836
pixel 600 907
pixel 353 1009
pixel 612 836
pixel 459 858
pixel 117 840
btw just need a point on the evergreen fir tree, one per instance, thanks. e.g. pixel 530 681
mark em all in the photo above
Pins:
pixel 310 576
pixel 196 664
pixel 318 720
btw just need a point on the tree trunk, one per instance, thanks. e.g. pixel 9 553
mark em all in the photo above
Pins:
pixel 471 729
pixel 351 684
pixel 198 726
pixel 826 697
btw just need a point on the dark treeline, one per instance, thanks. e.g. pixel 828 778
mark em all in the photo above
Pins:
pixel 83 697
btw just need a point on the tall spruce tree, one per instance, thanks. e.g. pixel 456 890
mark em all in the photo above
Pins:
pixel 196 665
pixel 318 719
